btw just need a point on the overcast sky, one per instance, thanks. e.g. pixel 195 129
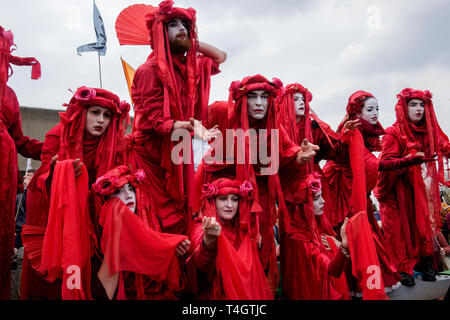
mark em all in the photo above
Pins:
pixel 332 47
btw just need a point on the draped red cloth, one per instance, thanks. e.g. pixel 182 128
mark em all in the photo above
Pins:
pixel 232 267
pixel 8 189
pixel 410 206
pixel 66 247
pixel 67 140
pixel 241 270
pixel 365 264
pixel 267 186
pixel 12 140
pixel 130 244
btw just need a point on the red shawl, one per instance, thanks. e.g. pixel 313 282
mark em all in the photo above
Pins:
pixel 365 264
pixel 66 249
pixel 129 244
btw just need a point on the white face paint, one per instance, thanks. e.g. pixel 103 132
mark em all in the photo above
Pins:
pixel 227 206
pixel 416 110
pixel 97 120
pixel 176 29
pixel 257 104
pixel 318 204
pixel 299 105
pixel 370 111
pixel 127 195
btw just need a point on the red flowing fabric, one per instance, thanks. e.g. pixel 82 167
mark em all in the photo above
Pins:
pixel 130 244
pixel 8 189
pixel 267 187
pixel 365 264
pixel 66 245
pixel 240 270
pixel 233 266
pixel 67 140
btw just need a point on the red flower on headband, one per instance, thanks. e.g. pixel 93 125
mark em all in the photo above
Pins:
pixel 246 190
pixel 428 94
pixel 314 185
pixel 166 6
pixel 106 184
pixel 140 175
pixel 405 93
pixel 85 94
pixel 277 83
pixel 235 86
pixel 124 106
pixel 209 190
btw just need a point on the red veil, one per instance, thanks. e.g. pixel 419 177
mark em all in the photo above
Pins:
pixel 239 274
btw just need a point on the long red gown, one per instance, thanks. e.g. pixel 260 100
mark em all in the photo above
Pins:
pixel 12 141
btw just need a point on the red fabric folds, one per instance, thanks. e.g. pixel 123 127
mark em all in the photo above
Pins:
pixel 365 264
pixel 240 271
pixel 129 244
pixel 66 248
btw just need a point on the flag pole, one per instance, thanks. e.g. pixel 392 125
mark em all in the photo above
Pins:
pixel 99 69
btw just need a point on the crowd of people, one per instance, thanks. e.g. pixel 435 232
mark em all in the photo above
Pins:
pixel 114 216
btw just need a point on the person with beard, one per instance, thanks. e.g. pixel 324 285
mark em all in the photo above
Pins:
pixel 351 184
pixel 408 184
pixel 12 141
pixel 170 91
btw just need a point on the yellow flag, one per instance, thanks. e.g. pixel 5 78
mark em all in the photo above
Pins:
pixel 129 75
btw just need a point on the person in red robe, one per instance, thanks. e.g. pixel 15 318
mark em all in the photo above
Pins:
pixel 170 92
pixel 300 122
pixel 408 183
pixel 12 141
pixel 311 270
pixel 224 247
pixel 252 113
pixel 344 188
pixel 91 136
pixel 138 262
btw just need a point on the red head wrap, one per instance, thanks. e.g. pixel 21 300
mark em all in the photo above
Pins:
pixel 74 122
pixel 116 178
pixel 286 112
pixel 435 137
pixel 225 186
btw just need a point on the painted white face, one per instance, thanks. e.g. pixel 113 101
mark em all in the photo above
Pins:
pixel 318 204
pixel 416 110
pixel 97 120
pixel 227 206
pixel 299 105
pixel 370 111
pixel 176 29
pixel 127 195
pixel 257 104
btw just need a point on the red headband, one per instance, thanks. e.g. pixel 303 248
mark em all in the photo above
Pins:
pixel 116 179
pixel 225 186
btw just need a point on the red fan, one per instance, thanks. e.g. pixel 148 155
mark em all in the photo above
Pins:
pixel 33 239
pixel 131 27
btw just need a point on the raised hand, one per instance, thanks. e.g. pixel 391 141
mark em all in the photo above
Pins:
pixel 307 152
pixel 351 125
pixel 211 231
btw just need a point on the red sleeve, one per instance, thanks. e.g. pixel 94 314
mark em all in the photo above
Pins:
pixel 204 258
pixel 391 150
pixel 338 152
pixel 288 150
pixel 27 147
pixel 336 266
pixel 148 96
